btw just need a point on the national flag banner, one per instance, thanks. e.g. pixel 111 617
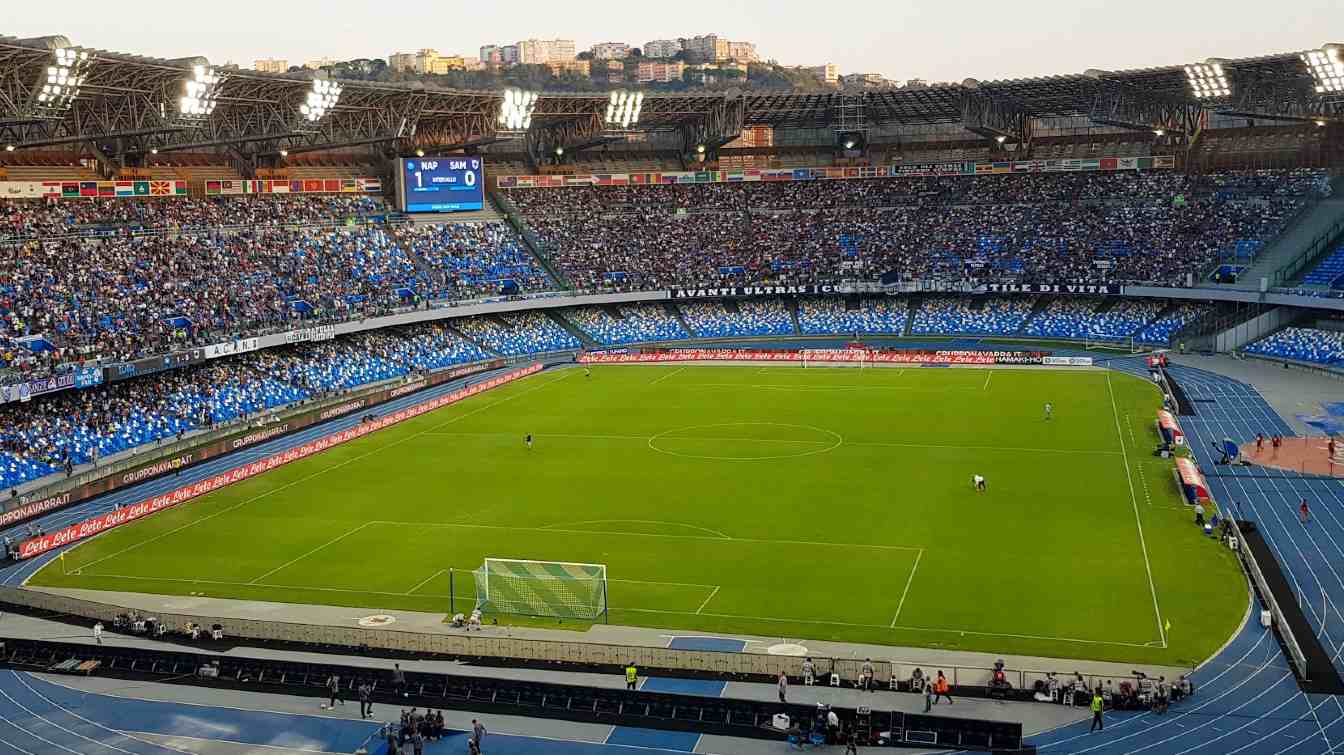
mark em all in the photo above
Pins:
pixel 213 187
pixel 602 179
pixel 141 188
pixel 331 185
pixel 851 172
pixel 296 187
pixel 51 188
pixel 349 185
pixel 1003 167
pixel 88 188
pixel 1108 163
pixel 1163 161
pixel 620 179
pixel 107 189
pixel 313 185
pixel 1127 163
pixel 125 188
pixel 180 188
pixel 640 178
pixel 160 188
pixel 1090 164
pixel 508 182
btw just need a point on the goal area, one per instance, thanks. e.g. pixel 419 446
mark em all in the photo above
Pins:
pixel 542 588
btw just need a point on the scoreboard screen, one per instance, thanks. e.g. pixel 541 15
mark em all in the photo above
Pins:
pixel 441 184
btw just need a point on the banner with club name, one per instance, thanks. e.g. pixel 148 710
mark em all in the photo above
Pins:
pixel 228 187
pixel 123 189
pixel 975 168
pixel 718 292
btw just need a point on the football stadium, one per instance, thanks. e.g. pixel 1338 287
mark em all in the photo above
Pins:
pixel 640 412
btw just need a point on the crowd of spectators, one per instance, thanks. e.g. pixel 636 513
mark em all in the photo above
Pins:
pixel 40 437
pixel 1315 345
pixel 750 317
pixel 829 316
pixel 518 333
pixel 1161 330
pixel 1124 319
pixel 127 295
pixel 627 324
pixel 1063 318
pixel 35 218
pixel 470 260
pixel 1154 227
pixel 971 316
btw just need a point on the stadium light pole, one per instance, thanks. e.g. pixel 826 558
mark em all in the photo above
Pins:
pixel 60 82
pixel 515 111
pixel 1327 68
pixel 623 109
pixel 1208 80
pixel 200 94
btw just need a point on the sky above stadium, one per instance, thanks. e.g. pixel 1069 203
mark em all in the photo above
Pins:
pixel 937 40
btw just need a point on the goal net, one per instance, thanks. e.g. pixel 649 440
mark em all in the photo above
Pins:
pixel 1123 345
pixel 542 588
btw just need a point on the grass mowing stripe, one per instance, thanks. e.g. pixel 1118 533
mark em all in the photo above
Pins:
pixel 322 471
pixel 511 528
pixel 302 556
pixel 1138 520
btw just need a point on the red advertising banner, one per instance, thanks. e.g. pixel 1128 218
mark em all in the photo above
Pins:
pixel 95 525
pixel 905 356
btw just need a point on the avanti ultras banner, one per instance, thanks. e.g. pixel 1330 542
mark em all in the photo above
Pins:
pixel 894 356
pixel 126 514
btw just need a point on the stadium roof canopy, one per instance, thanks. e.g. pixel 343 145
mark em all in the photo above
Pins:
pixel 127 104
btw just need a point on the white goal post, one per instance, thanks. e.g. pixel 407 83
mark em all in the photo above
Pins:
pixel 542 588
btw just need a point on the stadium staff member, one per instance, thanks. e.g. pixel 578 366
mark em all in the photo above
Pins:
pixel 1097 725
pixel 631 675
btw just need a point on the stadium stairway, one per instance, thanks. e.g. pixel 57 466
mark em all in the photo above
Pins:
pixel 1037 307
pixel 676 312
pixel 1293 242
pixel 448 325
pixel 588 341
pixel 792 304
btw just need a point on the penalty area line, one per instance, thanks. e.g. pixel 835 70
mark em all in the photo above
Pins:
pixel 701 609
pixel 670 374
pixel 908 581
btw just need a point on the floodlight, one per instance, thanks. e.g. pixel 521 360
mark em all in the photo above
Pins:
pixel 1327 68
pixel 200 93
pixel 153 150
pixel 1159 132
pixel 419 153
pixel 849 144
pixel 9 147
pixel 284 153
pixel 623 109
pixel 700 148
pixel 322 99
pixel 1000 138
pixel 559 151
pixel 60 82
pixel 1320 124
pixel 515 112
pixel 1207 80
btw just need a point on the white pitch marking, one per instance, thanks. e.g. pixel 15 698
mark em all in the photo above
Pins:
pixel 908 581
pixel 670 374
pixel 1134 501
pixel 425 581
pixel 701 609
pixel 302 556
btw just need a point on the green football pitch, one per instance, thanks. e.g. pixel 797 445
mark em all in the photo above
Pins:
pixel 819 503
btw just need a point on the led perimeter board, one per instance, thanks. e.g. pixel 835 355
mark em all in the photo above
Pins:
pixel 441 184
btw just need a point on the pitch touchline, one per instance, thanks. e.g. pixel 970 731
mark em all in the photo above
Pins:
pixel 409 593
pixel 507 528
pixel 322 471
pixel 880 626
pixel 1018 449
pixel 1134 501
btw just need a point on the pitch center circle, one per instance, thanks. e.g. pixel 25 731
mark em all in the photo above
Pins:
pixel 745 441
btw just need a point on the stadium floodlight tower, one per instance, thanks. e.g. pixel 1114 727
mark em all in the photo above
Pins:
pixel 322 99
pixel 200 95
pixel 60 80
pixel 515 111
pixel 623 109
pixel 1208 80
pixel 1327 68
